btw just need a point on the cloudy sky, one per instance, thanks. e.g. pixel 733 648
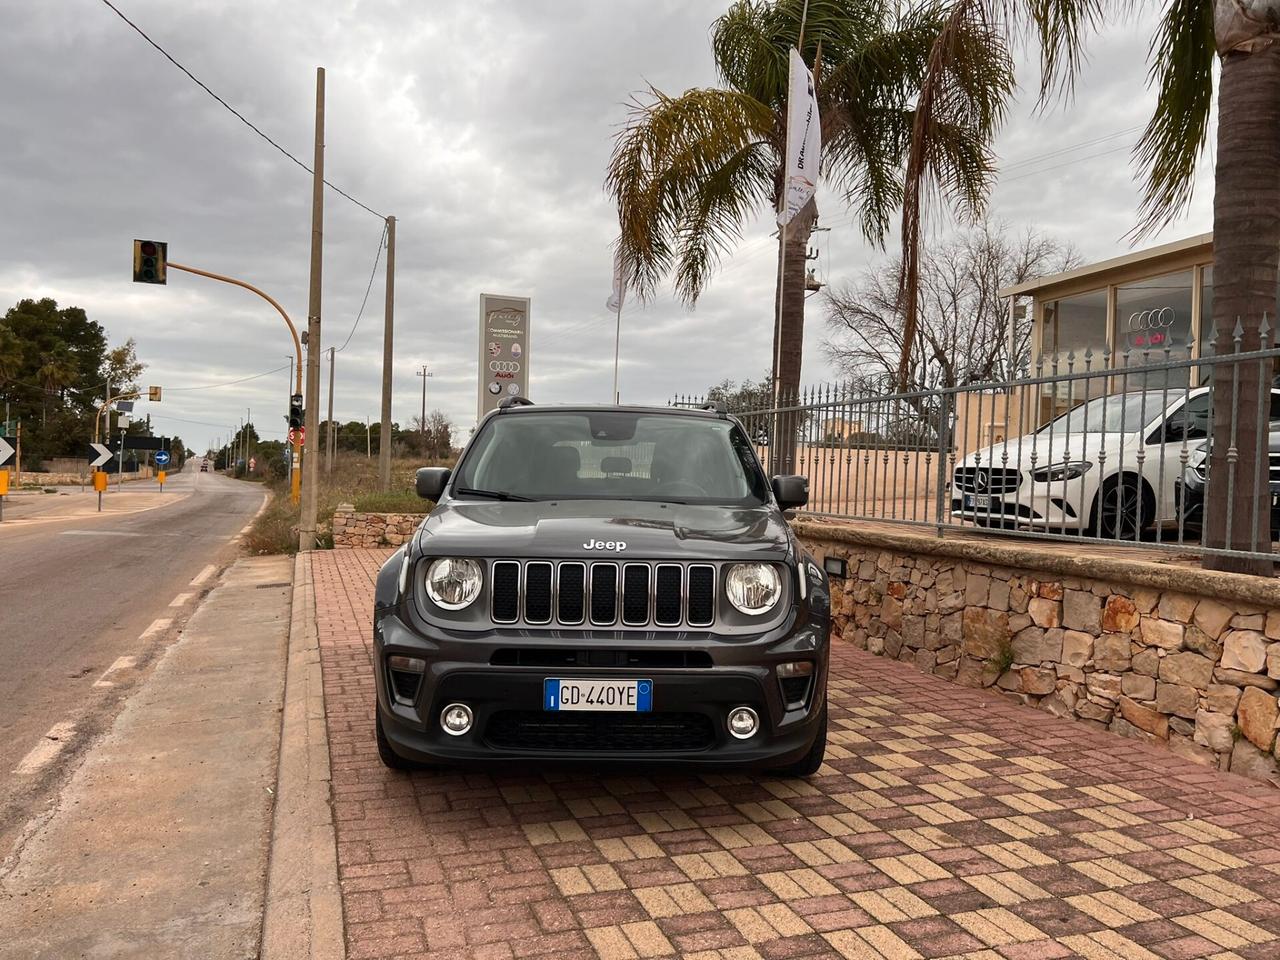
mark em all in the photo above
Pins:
pixel 484 126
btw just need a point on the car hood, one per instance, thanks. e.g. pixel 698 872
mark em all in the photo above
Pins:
pixel 557 529
pixel 1016 453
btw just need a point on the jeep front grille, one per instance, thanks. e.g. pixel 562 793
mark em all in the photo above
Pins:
pixel 603 594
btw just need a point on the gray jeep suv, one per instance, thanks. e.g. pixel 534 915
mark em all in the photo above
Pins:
pixel 605 584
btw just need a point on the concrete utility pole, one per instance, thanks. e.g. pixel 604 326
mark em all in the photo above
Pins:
pixel 310 500
pixel 384 435
pixel 424 373
pixel 329 439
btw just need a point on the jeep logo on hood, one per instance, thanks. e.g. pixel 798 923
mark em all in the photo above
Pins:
pixel 617 546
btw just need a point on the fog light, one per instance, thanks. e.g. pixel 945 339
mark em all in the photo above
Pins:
pixel 796 668
pixel 743 722
pixel 456 719
pixel 407 664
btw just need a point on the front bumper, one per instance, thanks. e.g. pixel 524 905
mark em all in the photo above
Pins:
pixel 690 702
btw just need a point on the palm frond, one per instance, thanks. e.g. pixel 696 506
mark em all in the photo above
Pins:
pixel 752 38
pixel 685 173
pixel 966 88
pixel 1182 55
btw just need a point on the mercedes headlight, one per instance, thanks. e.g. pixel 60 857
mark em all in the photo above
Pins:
pixel 453 582
pixel 1198 461
pixel 1062 471
pixel 753 588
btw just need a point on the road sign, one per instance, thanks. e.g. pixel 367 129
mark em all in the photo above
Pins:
pixel 6 449
pixel 125 406
pixel 153 393
pixel 160 475
pixel 297 435
pixel 99 453
pixel 100 482
pixel 146 443
pixel 162 458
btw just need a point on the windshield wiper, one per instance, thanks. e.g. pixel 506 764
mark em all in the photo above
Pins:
pixel 492 494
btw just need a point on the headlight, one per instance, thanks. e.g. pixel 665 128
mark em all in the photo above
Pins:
pixel 1062 471
pixel 1198 461
pixel 453 583
pixel 754 588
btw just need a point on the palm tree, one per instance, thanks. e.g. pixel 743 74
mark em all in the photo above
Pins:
pixel 57 371
pixel 688 171
pixel 1244 37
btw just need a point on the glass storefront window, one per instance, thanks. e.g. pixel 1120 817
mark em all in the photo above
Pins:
pixel 1153 322
pixel 1075 325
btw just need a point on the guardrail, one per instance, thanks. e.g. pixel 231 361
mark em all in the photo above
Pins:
pixel 1095 447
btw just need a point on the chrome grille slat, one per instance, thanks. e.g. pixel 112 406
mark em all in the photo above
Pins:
pixel 603 593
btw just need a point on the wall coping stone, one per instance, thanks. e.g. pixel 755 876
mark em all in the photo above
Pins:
pixel 1256 591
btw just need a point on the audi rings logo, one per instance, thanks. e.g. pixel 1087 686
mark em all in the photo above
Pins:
pixel 504 366
pixel 1160 319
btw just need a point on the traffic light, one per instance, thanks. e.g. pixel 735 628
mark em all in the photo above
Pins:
pixel 295 411
pixel 149 259
pixel 153 393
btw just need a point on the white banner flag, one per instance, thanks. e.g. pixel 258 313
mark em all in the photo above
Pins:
pixel 614 303
pixel 804 141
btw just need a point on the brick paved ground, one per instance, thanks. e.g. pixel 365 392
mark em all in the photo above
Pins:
pixel 946 823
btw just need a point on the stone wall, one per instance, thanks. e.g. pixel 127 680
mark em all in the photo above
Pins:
pixel 1180 656
pixel 352 529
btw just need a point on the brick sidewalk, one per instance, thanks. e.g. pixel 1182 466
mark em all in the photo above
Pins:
pixel 947 822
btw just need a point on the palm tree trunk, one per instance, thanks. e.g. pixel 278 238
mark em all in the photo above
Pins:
pixel 794 245
pixel 1246 247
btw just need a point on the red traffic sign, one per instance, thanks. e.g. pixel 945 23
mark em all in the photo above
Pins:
pixel 297 435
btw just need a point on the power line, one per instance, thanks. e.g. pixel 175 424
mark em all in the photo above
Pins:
pixel 227 383
pixel 373 273
pixel 236 113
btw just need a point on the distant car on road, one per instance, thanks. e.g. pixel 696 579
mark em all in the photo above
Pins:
pixel 204 466
pixel 1107 467
pixel 604 584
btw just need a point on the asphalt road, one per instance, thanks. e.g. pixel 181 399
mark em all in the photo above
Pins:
pixel 83 602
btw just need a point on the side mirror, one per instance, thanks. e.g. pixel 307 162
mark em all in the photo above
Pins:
pixel 791 490
pixel 431 481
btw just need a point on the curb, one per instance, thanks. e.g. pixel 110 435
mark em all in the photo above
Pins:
pixel 303 915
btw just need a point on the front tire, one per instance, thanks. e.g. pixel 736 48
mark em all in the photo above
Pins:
pixel 386 754
pixel 808 765
pixel 1117 507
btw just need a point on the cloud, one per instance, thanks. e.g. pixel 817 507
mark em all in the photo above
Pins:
pixel 484 127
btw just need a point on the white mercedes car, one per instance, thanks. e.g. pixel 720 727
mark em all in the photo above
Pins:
pixel 1106 468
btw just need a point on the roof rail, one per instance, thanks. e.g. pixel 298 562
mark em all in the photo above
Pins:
pixel 506 403
pixel 716 406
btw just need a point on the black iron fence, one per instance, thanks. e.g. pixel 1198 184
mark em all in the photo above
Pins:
pixel 1093 446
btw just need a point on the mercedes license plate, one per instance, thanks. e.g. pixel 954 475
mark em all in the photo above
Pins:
pixel 977 501
pixel 616 696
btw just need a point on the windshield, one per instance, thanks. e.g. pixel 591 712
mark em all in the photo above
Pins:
pixel 612 455
pixel 1119 413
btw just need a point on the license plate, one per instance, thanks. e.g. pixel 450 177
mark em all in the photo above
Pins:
pixel 613 696
pixel 977 501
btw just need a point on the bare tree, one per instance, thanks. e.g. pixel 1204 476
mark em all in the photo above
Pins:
pixel 962 336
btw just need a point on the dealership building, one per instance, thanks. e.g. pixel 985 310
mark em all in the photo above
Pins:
pixel 1140 303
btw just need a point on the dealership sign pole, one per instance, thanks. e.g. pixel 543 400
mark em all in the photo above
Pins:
pixel 504 351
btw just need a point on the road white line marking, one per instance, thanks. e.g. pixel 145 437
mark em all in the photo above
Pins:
pixel 157 626
pixel 204 575
pixel 121 663
pixel 181 599
pixel 47 750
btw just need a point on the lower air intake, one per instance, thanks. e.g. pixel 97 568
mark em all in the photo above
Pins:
pixel 600 733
